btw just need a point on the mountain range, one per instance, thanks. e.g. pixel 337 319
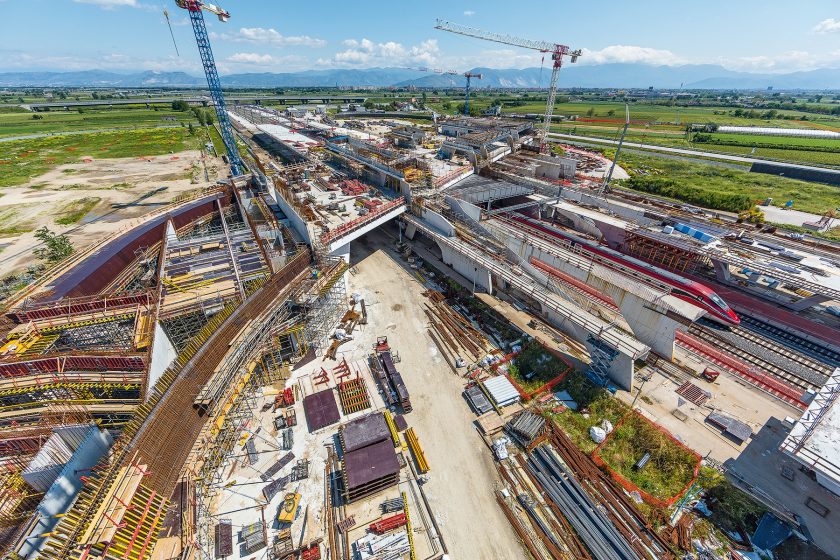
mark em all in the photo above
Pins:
pixel 619 75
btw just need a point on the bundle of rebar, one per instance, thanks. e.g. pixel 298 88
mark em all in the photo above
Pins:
pixel 598 533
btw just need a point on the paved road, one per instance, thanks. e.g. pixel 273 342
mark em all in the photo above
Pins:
pixel 681 151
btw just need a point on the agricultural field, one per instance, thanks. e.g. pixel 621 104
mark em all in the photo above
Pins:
pixel 21 160
pixel 14 124
pixel 721 188
pixel 792 149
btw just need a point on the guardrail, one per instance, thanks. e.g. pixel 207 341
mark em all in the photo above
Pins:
pixel 361 221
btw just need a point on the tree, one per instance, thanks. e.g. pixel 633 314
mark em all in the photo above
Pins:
pixel 180 105
pixel 611 112
pixel 37 117
pixel 56 246
pixel 199 115
pixel 590 112
pixel 208 117
pixel 191 129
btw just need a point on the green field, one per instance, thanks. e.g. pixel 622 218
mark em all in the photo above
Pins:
pixel 21 160
pixel 21 124
pixel 791 149
pixel 721 188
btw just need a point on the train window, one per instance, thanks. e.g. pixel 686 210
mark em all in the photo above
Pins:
pixel 686 294
pixel 718 301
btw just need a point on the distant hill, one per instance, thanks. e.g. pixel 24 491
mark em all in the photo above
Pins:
pixel 691 76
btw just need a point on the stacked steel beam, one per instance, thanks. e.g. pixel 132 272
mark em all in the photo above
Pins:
pixel 601 537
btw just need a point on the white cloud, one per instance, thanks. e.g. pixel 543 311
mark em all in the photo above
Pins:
pixel 111 4
pixel 269 36
pixel 469 13
pixel 251 58
pixel 631 54
pixel 365 52
pixel 829 25
pixel 790 61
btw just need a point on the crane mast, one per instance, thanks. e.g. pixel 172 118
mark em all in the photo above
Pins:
pixel 557 51
pixel 195 7
pixel 467 75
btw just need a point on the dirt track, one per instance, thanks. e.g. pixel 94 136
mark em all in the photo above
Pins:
pixel 116 182
pixel 462 476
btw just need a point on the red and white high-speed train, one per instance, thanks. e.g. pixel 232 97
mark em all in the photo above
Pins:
pixel 679 287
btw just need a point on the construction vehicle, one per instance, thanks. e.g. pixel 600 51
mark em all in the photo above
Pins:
pixel 556 50
pixel 289 507
pixel 710 375
pixel 195 7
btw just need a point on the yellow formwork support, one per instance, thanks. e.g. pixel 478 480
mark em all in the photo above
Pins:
pixel 389 419
pixel 408 526
pixel 419 456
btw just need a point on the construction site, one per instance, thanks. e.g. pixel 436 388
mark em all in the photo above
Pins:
pixel 384 339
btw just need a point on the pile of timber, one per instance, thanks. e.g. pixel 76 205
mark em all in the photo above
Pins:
pixel 452 330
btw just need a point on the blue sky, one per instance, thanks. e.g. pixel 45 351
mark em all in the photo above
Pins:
pixel 275 36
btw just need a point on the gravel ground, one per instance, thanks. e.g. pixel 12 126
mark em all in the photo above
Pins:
pixel 462 476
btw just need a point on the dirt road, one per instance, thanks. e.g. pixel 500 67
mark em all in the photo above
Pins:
pixel 462 476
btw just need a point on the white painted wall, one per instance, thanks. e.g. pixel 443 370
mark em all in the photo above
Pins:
pixel 163 352
pixel 297 223
pixel 438 222
pixel 464 207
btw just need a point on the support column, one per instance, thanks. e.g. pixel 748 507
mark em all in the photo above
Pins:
pixel 722 271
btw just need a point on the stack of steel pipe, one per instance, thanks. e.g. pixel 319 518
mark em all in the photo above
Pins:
pixel 600 536
pixel 526 427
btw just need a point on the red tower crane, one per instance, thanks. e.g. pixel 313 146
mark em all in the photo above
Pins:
pixel 556 50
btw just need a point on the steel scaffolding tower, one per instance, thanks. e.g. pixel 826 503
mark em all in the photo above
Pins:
pixel 602 356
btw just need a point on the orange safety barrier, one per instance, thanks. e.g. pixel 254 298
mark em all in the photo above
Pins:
pixel 630 486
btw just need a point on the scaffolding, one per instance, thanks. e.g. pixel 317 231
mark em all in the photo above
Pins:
pixel 601 356
pixel 205 468
pixel 671 257
pixel 324 301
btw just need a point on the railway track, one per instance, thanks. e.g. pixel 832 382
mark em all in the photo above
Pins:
pixel 781 355
pixel 800 380
pixel 804 346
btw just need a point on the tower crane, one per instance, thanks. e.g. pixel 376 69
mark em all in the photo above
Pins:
pixel 195 7
pixel 467 75
pixel 556 50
